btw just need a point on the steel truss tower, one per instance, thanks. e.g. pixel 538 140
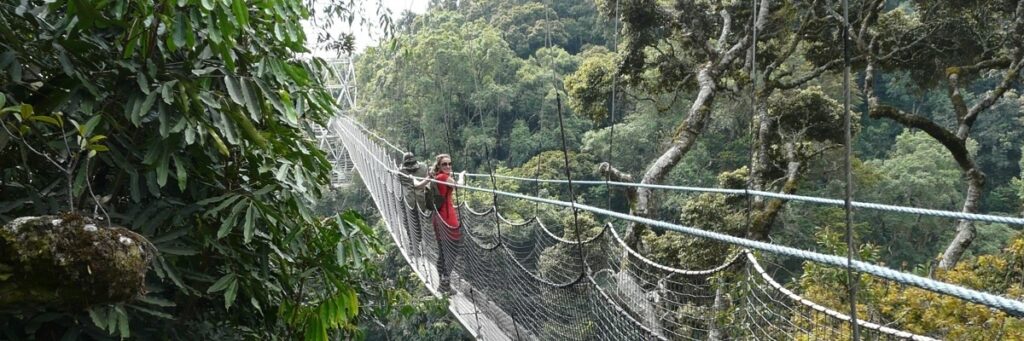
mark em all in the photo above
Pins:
pixel 340 81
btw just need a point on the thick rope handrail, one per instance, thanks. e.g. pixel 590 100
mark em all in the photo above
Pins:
pixel 794 197
pixel 752 260
pixel 1012 307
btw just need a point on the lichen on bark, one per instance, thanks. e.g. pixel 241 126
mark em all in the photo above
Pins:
pixel 70 261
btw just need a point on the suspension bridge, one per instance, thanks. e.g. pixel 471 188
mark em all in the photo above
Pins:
pixel 524 277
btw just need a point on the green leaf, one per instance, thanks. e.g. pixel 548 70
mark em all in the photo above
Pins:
pixel 340 253
pixel 171 274
pixel 213 29
pixel 144 108
pixel 26 111
pixel 170 236
pixel 234 89
pixel 15 71
pixel 224 204
pixel 45 119
pixel 241 12
pixel 79 185
pixel 6 59
pixel 166 91
pixel 353 303
pixel 275 100
pixel 221 283
pixel 65 62
pixel 90 125
pixel 325 312
pixel 112 319
pixel 180 28
pixel 229 223
pixel 180 173
pixel 140 78
pixel 250 223
pixel 207 4
pixel 135 189
pixel 122 323
pixel 162 168
pixel 152 312
pixel 251 100
pixel 179 251
pixel 157 301
pixel 99 318
pixel 230 293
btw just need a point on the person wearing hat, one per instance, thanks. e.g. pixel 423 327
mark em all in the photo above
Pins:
pixel 414 198
pixel 447 229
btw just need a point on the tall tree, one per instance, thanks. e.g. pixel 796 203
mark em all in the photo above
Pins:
pixel 959 43
pixel 684 48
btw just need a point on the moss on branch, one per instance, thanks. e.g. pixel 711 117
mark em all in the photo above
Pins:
pixel 69 261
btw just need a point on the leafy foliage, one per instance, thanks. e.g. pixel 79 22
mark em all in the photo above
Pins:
pixel 185 121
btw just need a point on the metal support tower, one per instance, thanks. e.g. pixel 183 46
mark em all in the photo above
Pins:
pixel 340 81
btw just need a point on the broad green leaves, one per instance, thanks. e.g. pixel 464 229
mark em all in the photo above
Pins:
pixel 186 121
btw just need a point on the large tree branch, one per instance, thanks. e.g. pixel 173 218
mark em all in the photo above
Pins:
pixel 764 218
pixel 813 74
pixel 990 99
pixel 686 136
pixel 870 11
pixel 901 48
pixel 956 97
pixel 797 39
pixel 726 29
pixel 956 146
pixel 613 174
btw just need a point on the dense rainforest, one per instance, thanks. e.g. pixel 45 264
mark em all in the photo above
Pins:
pixel 682 96
pixel 165 148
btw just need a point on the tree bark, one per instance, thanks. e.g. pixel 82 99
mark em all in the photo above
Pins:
pixel 965 230
pixel 686 136
pixel 766 213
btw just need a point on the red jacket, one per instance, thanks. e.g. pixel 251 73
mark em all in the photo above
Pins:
pixel 447 227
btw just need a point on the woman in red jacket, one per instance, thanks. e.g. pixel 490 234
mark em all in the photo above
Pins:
pixel 446 222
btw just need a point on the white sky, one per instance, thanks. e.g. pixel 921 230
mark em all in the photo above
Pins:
pixel 364 36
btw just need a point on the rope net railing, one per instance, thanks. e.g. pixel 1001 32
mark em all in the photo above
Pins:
pixel 992 218
pixel 519 271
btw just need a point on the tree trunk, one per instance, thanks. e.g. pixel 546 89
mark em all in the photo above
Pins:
pixel 686 136
pixel 764 215
pixel 965 230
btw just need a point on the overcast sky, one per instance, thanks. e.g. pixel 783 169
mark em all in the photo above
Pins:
pixel 364 36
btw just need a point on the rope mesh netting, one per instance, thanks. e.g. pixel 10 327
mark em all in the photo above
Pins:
pixel 532 277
